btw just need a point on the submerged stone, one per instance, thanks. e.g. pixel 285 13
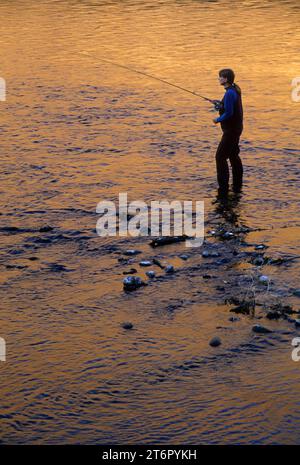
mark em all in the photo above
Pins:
pixel 167 240
pixel 127 325
pixel 274 315
pixel 259 329
pixel 150 274
pixel 46 229
pixel 170 269
pixel 132 252
pixel 131 271
pixel 131 283
pixel 215 342
pixel 264 279
pixel 158 263
pixel 145 263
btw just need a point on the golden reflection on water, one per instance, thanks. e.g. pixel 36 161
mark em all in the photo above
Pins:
pixel 75 131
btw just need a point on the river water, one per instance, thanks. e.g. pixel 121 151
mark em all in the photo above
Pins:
pixel 75 131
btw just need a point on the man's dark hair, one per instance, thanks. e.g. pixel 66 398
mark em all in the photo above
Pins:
pixel 230 76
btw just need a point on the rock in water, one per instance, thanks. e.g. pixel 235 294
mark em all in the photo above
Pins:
pixel 167 240
pixel 170 269
pixel 297 292
pixel 150 274
pixel 264 279
pixel 259 329
pixel 215 342
pixel 131 283
pixel 132 252
pixel 145 263
pixel 205 253
pixel 127 325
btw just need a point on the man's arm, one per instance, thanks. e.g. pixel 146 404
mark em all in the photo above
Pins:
pixel 229 101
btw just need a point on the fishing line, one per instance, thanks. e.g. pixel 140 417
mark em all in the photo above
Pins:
pixel 149 76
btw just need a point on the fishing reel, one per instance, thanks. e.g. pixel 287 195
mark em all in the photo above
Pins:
pixel 218 105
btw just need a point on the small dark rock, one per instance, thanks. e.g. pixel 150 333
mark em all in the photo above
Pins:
pixel 132 252
pixel 145 263
pixel 206 253
pixel 274 315
pixel 259 329
pixel 215 342
pixel 131 271
pixel 227 235
pixel 57 267
pixel 170 269
pixel 158 263
pixel 260 247
pixel 127 325
pixel 46 229
pixel 167 240
pixel 296 292
pixel 150 274
pixel 258 261
pixel 131 283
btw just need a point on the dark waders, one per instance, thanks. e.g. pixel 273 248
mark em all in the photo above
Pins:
pixel 229 149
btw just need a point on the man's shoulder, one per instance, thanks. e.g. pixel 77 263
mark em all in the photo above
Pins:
pixel 231 93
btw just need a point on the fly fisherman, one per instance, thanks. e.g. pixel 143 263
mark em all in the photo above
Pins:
pixel 231 120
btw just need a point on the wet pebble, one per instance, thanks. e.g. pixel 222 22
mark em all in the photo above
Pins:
pixel 131 283
pixel 170 269
pixel 258 261
pixel 259 329
pixel 150 274
pixel 57 267
pixel 184 257
pixel 215 342
pixel 127 325
pixel 145 263
pixel 227 235
pixel 273 315
pixel 131 271
pixel 264 279
pixel 132 252
pixel 46 228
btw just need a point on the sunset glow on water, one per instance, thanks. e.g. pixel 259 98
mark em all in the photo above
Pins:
pixel 76 130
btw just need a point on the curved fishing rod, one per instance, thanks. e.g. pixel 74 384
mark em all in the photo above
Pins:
pixel 214 102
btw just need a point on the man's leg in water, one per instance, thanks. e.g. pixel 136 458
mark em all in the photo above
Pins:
pixel 223 152
pixel 236 164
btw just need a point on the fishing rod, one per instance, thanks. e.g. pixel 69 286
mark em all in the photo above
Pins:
pixel 216 103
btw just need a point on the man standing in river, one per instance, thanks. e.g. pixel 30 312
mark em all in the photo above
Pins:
pixel 231 120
